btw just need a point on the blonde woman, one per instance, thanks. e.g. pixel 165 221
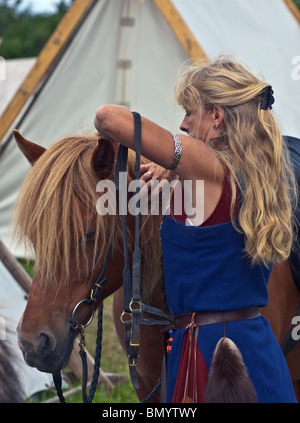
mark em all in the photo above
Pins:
pixel 216 271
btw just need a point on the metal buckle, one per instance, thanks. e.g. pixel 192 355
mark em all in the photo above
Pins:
pixel 96 290
pixel 133 361
pixel 135 305
pixel 125 317
pixel 75 325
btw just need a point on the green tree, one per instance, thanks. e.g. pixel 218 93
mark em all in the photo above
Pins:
pixel 23 33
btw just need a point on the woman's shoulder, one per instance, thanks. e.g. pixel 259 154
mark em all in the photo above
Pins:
pixel 198 161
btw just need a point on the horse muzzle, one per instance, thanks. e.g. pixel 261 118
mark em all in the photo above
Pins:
pixel 44 352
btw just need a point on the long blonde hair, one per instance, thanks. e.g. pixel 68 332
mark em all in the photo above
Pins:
pixel 251 147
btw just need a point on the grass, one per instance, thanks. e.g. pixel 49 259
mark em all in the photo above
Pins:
pixel 113 360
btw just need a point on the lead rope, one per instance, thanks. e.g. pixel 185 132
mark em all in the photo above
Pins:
pixel 89 398
pixel 57 380
pixel 90 299
pixel 82 354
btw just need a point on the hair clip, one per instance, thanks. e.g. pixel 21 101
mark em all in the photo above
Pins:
pixel 267 98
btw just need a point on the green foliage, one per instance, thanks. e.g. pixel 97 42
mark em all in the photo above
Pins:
pixel 24 34
pixel 28 266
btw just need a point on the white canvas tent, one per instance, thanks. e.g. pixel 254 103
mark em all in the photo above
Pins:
pixel 12 303
pixel 14 71
pixel 129 52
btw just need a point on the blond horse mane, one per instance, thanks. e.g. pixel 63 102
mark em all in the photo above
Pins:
pixel 57 203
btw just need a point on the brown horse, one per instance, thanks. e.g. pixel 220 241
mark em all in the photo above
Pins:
pixel 56 211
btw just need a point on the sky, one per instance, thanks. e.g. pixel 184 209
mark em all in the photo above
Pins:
pixel 41 6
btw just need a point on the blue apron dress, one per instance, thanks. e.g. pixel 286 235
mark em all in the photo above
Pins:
pixel 206 269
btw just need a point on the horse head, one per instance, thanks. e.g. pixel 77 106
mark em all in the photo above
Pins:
pixel 56 215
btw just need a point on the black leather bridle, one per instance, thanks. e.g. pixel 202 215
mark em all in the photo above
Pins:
pixel 133 307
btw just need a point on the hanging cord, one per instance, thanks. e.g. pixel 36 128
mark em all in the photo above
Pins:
pixel 91 299
pixel 57 379
pixel 97 355
pixel 96 372
pixel 58 384
pixel 82 354
pixel 152 393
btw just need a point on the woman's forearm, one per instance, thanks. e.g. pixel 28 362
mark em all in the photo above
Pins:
pixel 196 162
pixel 117 122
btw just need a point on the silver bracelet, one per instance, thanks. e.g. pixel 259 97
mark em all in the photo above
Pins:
pixel 177 152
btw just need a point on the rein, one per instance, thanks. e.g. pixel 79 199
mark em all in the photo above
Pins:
pixel 90 300
pixel 133 307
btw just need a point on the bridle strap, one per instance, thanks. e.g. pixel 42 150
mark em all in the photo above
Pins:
pixel 95 291
pixel 135 304
pixel 133 307
pixel 90 299
pixel 132 313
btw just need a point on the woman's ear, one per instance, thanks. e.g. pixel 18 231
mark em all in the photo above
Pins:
pixel 218 115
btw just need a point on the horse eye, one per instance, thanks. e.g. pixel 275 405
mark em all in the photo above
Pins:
pixel 89 236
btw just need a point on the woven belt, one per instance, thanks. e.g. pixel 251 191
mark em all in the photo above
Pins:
pixel 203 318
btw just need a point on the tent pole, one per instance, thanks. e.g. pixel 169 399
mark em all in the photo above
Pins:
pixel 45 60
pixel 294 9
pixel 180 29
pixel 15 268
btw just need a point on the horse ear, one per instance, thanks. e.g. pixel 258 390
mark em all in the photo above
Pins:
pixel 103 159
pixel 30 150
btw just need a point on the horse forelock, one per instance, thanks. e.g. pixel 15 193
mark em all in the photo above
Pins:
pixel 56 209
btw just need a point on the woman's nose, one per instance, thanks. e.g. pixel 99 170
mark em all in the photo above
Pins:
pixel 184 125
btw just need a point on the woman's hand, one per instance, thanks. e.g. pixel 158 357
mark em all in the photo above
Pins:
pixel 152 171
pixel 156 178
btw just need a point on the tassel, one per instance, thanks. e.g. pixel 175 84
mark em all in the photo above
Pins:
pixel 228 379
pixel 186 398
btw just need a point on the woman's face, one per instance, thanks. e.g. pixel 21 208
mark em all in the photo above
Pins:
pixel 198 126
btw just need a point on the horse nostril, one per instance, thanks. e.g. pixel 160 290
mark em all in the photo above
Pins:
pixel 45 345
